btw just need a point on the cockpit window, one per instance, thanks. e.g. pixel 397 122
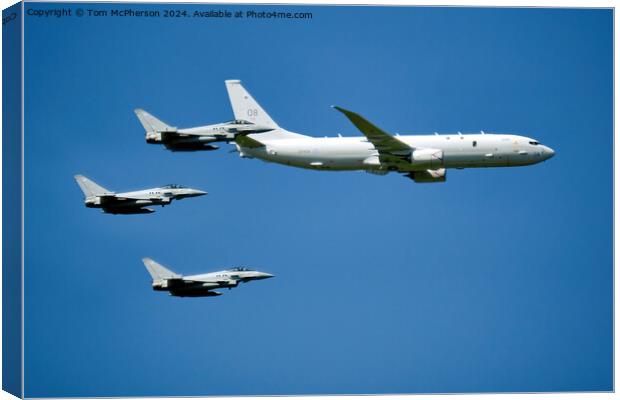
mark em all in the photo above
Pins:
pixel 240 269
pixel 534 143
pixel 240 122
pixel 173 186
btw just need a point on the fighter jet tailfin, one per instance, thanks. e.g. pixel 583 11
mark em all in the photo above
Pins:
pixel 152 124
pixel 158 271
pixel 89 187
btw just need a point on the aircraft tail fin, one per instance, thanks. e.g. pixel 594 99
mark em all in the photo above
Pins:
pixel 152 124
pixel 89 187
pixel 245 107
pixel 158 271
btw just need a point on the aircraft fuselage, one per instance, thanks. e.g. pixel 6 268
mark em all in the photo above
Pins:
pixel 357 153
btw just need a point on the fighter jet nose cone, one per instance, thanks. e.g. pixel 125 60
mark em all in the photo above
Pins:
pixel 196 193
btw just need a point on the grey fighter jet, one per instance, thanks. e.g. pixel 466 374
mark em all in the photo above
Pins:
pixel 201 285
pixel 110 202
pixel 198 138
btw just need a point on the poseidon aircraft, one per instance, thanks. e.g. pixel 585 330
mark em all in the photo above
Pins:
pixel 201 285
pixel 110 202
pixel 423 158
pixel 193 139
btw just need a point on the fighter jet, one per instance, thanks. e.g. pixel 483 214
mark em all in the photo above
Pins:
pixel 110 202
pixel 194 139
pixel 201 285
pixel 422 158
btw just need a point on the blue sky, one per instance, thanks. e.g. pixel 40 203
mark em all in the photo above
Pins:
pixel 497 280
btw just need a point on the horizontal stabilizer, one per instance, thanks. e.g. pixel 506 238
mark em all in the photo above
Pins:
pixel 246 141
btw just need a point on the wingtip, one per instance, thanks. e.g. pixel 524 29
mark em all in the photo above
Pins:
pixel 232 81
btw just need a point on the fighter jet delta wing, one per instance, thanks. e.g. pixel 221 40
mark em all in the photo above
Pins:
pixel 390 148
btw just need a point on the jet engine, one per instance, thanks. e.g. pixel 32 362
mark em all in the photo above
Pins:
pixel 161 284
pixel 429 176
pixel 427 158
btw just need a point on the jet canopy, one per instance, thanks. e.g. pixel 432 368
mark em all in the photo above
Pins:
pixel 173 186
pixel 240 269
pixel 240 122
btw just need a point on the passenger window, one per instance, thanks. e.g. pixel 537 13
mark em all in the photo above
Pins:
pixel 474 143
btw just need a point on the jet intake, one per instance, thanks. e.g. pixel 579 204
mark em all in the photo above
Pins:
pixel 429 176
pixel 427 158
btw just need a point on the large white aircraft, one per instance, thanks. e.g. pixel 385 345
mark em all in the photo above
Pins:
pixel 423 158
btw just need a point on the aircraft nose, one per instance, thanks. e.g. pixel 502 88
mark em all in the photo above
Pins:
pixel 264 275
pixel 196 192
pixel 548 152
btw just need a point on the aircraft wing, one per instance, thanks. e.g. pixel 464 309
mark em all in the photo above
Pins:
pixel 110 198
pixel 390 148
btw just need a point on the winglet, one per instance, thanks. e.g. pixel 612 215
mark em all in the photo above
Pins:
pixel 360 122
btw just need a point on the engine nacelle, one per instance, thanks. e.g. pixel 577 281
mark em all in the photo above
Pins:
pixel 427 158
pixel 430 176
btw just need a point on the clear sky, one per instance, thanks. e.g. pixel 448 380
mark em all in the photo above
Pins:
pixel 497 280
